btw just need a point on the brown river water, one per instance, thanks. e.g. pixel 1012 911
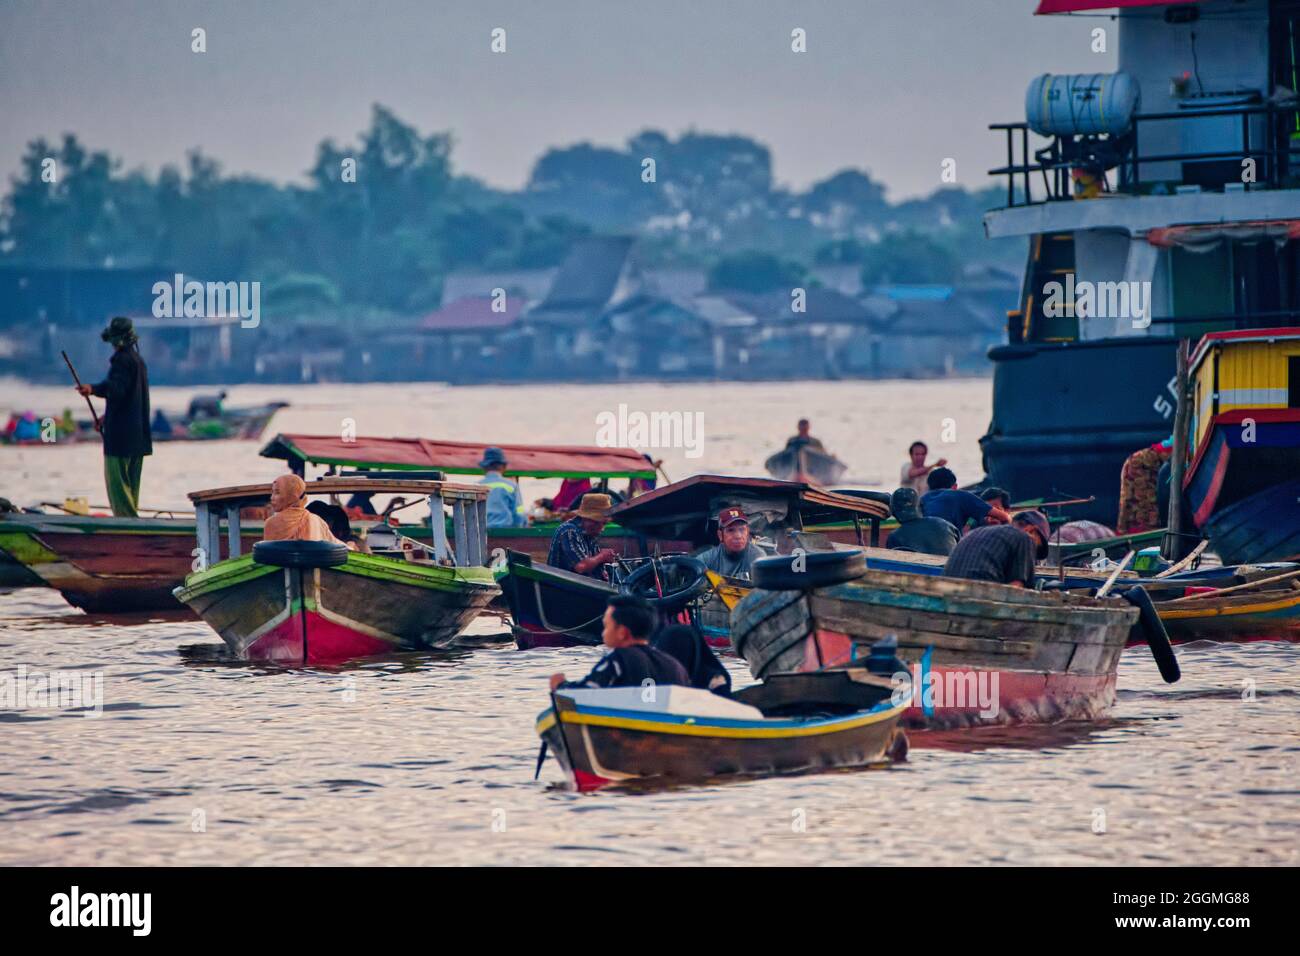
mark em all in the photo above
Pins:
pixel 429 758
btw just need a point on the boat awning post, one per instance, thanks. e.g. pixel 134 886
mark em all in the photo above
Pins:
pixel 214 536
pixel 438 524
pixel 480 536
pixel 460 528
pixel 201 531
pixel 232 530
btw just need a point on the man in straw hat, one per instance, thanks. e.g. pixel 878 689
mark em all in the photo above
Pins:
pixel 576 545
pixel 126 417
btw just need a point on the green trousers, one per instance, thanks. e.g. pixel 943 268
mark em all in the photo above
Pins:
pixel 122 477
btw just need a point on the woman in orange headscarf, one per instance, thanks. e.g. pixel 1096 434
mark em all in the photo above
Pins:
pixel 291 520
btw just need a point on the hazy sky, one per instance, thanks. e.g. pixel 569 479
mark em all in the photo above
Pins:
pixel 891 86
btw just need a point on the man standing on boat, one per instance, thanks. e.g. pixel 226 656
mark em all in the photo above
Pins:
pixel 576 544
pixel 735 553
pixel 915 471
pixel 127 438
pixel 505 505
pixel 1003 554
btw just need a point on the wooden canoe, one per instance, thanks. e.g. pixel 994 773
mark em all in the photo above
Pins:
pixel 682 734
pixel 981 653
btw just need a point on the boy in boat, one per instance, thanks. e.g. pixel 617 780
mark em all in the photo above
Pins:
pixel 630 661
pixel 575 546
pixel 127 437
pixel 914 533
pixel 505 505
pixel 291 521
pixel 1003 554
pixel 735 553
pixel 915 471
pixel 945 500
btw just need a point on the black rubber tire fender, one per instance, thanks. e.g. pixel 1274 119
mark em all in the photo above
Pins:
pixel 1152 630
pixel 300 554
pixel 812 569
pixel 697 583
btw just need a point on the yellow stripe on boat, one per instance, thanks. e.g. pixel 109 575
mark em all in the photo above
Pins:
pixel 713 730
pixel 1230 611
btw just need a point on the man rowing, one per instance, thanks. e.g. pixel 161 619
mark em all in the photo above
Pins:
pixel 127 436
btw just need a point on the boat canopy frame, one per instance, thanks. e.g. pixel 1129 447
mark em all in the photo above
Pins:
pixel 458 458
pixel 468 503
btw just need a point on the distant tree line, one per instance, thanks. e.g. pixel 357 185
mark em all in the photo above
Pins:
pixel 382 220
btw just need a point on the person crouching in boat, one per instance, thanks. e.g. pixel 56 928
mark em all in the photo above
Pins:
pixel 914 533
pixel 291 521
pixel 631 661
pixel 735 553
pixel 575 546
pixel 692 651
pixel 1003 554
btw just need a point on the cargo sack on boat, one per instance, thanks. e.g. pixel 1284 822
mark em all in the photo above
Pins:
pixel 300 554
pixel 813 569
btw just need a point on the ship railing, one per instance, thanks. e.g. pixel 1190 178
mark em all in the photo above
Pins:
pixel 1277 157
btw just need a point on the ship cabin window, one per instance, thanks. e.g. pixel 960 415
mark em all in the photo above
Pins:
pixel 1293 381
pixel 1234 285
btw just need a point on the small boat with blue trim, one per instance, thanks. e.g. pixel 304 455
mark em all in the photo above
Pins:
pixel 669 734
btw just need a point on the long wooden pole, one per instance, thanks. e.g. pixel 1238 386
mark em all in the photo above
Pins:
pixel 1248 586
pixel 1114 575
pixel 94 414
pixel 1179 460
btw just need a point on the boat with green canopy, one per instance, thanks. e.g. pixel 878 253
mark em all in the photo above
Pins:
pixel 318 602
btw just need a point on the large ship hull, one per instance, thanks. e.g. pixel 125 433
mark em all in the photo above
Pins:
pixel 1065 416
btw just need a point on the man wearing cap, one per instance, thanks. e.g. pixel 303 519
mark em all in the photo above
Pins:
pixel 505 505
pixel 734 554
pixel 576 544
pixel 1003 553
pixel 126 432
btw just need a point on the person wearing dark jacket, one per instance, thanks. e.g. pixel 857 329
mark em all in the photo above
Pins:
pixel 687 644
pixel 126 431
pixel 914 533
pixel 630 661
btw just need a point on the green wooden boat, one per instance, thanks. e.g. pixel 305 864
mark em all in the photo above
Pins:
pixel 320 603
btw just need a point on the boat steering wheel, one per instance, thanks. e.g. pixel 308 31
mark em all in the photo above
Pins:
pixel 668 584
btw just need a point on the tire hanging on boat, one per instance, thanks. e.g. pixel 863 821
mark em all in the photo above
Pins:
pixel 1152 631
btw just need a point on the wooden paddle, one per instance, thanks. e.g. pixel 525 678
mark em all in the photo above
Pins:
pixel 99 426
